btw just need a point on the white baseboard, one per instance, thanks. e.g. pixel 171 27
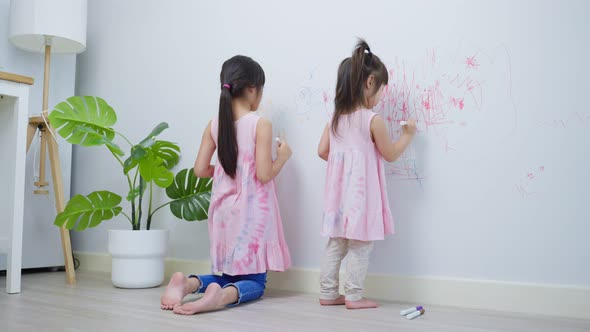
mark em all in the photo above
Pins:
pixel 536 299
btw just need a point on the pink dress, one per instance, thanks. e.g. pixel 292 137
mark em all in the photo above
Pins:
pixel 355 197
pixel 245 227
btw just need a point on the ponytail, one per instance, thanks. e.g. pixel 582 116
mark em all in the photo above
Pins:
pixel 226 139
pixel 353 73
pixel 359 71
pixel 237 74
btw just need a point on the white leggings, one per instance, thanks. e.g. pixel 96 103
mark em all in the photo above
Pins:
pixel 356 268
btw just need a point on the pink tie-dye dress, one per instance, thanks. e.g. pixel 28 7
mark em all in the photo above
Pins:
pixel 245 227
pixel 355 197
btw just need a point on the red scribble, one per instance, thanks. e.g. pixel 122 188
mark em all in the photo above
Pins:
pixel 426 103
pixel 524 187
pixel 458 102
pixel 428 95
pixel 472 87
pixel 471 62
pixel 427 91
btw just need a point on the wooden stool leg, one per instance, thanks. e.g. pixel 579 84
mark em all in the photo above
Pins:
pixel 58 190
pixel 31 130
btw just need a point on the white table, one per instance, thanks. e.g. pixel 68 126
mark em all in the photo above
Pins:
pixel 14 99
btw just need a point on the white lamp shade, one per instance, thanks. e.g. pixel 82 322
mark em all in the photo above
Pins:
pixel 63 20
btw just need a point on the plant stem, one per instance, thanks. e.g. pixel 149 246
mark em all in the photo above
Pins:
pixel 125 214
pixel 141 183
pixel 127 175
pixel 133 214
pixel 135 177
pixel 125 138
pixel 159 207
pixel 149 221
pixel 131 187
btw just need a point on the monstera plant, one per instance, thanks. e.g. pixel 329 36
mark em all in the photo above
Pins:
pixel 89 121
pixel 137 254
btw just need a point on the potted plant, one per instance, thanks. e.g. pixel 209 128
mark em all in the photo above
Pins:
pixel 137 254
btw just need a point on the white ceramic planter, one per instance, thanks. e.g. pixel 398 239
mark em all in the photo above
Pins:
pixel 138 257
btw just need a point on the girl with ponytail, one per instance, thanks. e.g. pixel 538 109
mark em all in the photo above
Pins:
pixel 245 227
pixel 355 143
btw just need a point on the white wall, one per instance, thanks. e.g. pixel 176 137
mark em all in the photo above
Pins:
pixel 41 243
pixel 159 61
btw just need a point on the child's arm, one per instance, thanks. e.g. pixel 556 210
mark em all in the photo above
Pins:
pixel 324 147
pixel 388 149
pixel 203 167
pixel 266 168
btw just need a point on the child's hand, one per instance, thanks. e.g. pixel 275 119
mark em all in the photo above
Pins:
pixel 410 128
pixel 283 150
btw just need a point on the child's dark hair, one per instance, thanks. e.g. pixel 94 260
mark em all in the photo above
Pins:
pixel 353 72
pixel 237 74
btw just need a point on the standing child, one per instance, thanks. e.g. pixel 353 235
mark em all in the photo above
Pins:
pixel 245 227
pixel 354 144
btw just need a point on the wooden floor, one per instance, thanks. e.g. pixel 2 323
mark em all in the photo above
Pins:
pixel 47 304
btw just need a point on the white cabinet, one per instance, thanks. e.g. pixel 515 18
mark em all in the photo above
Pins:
pixel 14 98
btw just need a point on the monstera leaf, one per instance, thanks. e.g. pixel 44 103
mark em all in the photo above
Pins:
pixel 190 196
pixel 72 116
pixel 151 168
pixel 95 138
pixel 167 151
pixel 151 138
pixel 89 211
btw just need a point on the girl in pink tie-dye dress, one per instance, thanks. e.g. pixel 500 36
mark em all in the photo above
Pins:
pixel 245 227
pixel 354 144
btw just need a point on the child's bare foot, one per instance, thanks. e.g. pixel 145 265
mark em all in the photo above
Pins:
pixel 212 300
pixel 361 304
pixel 338 301
pixel 178 287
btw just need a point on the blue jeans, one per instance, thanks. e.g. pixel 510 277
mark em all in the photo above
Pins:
pixel 250 286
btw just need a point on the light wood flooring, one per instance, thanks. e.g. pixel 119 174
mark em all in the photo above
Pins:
pixel 93 304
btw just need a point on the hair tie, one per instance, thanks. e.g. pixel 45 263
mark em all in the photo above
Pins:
pixel 368 50
pixel 227 86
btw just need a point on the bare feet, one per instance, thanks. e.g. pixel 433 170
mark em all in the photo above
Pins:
pixel 215 298
pixel 361 304
pixel 338 301
pixel 178 287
